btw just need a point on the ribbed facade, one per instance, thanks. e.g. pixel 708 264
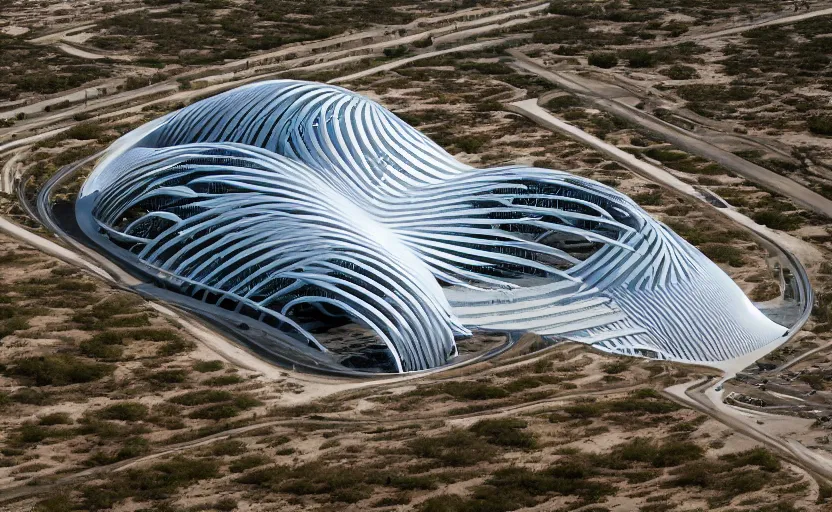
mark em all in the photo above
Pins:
pixel 290 200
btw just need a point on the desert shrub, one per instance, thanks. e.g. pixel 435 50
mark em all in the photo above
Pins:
pixel 261 477
pixel 719 476
pixel 759 457
pixel 585 410
pixel 330 443
pixel 765 291
pixel 641 406
pixel 505 432
pixel 486 68
pixel 157 482
pixel 707 182
pixel 201 397
pixel 469 143
pixel 699 473
pixel 153 334
pixel 776 220
pixel 472 390
pixel 59 502
pixel 616 367
pixel 675 28
pixel 132 447
pixel 30 433
pixel 208 366
pixel 744 481
pixel 638 58
pixel 56 418
pixel 644 393
pixel 116 311
pixel 215 412
pixel 412 482
pixel 559 103
pixel 396 51
pixel 58 370
pixel 445 503
pixel 423 43
pixel 456 448
pixel 91 424
pixel 698 236
pixel 248 462
pixel 174 347
pixel 665 155
pixel 104 345
pixel 167 416
pixel 516 487
pixel 604 60
pixel 670 453
pixel 12 325
pixel 124 411
pixel 168 377
pixel 490 106
pixel 224 404
pixel 680 72
pixel 224 380
pixel 347 484
pixel 31 396
pixel 722 253
pixel 652 198
pixel 428 116
pixel 84 131
pixel 109 337
pixel 697 165
pixel 133 320
pixel 814 380
pixel 227 447
pixel 820 124
pixel 638 403
pixel 522 384
pixel 715 92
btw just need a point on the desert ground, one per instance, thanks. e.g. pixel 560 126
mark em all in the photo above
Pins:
pixel 714 116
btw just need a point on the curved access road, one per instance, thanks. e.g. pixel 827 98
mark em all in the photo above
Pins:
pixel 704 397
pixel 84 54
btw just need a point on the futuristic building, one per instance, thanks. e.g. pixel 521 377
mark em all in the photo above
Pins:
pixel 303 205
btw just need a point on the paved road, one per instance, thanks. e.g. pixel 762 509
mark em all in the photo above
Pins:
pixel 84 54
pixel 786 20
pixel 10 172
pixel 791 362
pixel 309 60
pixel 403 62
pixel 702 396
pixel 677 136
pixel 58 36
pixel 778 19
